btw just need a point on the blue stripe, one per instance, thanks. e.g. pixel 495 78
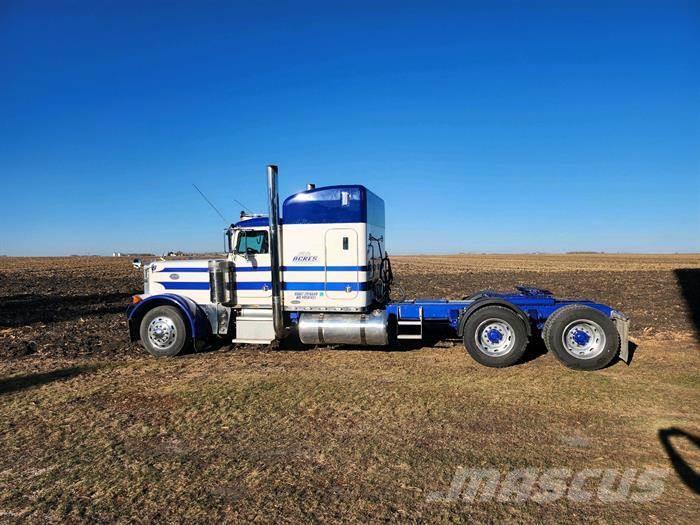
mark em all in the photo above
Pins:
pixel 284 268
pixel 335 287
pixel 324 268
pixel 177 285
pixel 184 270
pixel 252 269
pixel 252 285
pixel 260 285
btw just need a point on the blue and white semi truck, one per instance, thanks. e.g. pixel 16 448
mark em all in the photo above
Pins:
pixel 320 272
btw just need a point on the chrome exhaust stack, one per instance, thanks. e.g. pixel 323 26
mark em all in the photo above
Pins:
pixel 220 281
pixel 275 252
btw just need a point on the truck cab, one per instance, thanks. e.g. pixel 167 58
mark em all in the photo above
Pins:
pixel 331 250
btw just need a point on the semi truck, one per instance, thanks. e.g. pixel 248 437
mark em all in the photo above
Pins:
pixel 319 273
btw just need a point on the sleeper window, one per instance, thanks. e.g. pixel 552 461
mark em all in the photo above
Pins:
pixel 252 242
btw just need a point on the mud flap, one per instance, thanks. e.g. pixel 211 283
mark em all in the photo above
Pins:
pixel 622 324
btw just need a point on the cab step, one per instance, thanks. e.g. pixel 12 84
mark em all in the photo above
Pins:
pixel 410 333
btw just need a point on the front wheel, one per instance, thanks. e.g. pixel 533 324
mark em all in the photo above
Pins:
pixel 163 332
pixel 495 336
pixel 581 337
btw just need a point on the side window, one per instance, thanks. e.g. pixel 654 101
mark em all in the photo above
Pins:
pixel 252 241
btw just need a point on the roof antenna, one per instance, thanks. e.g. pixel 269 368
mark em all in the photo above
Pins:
pixel 210 204
pixel 245 208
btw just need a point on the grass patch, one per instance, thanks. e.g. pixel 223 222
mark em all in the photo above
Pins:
pixel 325 435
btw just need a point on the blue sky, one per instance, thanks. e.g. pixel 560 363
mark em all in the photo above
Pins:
pixel 486 126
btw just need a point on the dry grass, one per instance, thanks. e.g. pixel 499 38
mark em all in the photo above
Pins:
pixel 327 435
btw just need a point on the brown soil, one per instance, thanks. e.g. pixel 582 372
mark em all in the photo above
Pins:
pixel 75 306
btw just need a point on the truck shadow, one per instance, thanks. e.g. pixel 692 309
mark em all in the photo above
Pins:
pixel 684 470
pixel 293 344
pixel 17 383
pixel 20 310
pixel 689 282
pixel 536 348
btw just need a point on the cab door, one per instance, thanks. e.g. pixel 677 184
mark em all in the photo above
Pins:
pixel 251 259
pixel 341 264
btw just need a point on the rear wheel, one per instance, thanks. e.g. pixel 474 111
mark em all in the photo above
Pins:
pixel 495 336
pixel 581 337
pixel 163 332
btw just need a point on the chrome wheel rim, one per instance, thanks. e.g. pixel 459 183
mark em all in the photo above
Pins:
pixel 162 332
pixel 583 339
pixel 495 337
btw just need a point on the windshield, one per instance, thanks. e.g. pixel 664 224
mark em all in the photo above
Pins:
pixel 252 241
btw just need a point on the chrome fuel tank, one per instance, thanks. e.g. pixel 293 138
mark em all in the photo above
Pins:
pixel 344 328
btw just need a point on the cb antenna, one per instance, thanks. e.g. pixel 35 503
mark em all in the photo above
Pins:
pixel 210 204
pixel 245 208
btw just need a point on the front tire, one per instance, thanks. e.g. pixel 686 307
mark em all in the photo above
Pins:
pixel 495 336
pixel 581 337
pixel 163 331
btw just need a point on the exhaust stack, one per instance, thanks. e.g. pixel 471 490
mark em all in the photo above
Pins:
pixel 275 252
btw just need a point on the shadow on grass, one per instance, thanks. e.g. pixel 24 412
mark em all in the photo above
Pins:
pixel 685 471
pixel 631 348
pixel 535 349
pixel 17 383
pixel 432 337
pixel 689 282
pixel 292 343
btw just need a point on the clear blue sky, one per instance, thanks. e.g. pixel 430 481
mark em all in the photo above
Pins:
pixel 486 126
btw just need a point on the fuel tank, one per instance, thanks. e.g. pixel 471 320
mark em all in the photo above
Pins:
pixel 344 328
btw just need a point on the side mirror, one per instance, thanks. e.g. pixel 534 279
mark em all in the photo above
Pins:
pixel 136 263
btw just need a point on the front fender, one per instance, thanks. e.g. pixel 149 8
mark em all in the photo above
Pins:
pixel 195 318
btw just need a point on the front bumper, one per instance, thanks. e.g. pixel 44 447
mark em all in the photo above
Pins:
pixel 622 324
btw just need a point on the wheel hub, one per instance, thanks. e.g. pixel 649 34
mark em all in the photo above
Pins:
pixel 581 338
pixel 584 339
pixel 162 332
pixel 495 337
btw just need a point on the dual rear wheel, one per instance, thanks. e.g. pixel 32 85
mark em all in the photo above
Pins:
pixel 580 337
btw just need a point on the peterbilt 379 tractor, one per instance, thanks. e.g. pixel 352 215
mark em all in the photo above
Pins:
pixel 320 273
